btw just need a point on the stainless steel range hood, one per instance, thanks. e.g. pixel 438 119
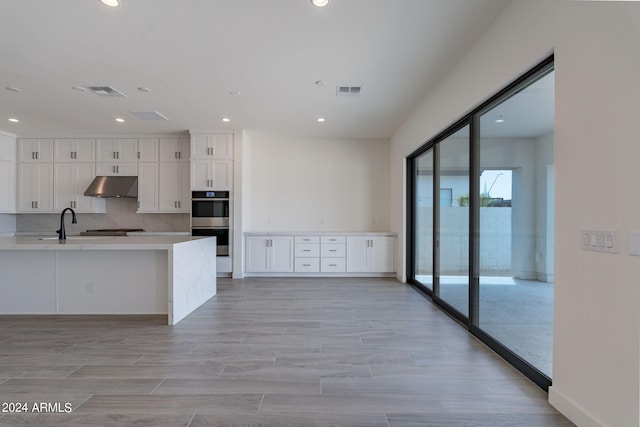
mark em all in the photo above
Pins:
pixel 113 186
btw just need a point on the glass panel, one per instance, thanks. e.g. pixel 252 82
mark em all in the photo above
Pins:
pixel 453 218
pixel 424 219
pixel 516 223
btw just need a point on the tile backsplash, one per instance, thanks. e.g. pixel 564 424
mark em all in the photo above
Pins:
pixel 121 213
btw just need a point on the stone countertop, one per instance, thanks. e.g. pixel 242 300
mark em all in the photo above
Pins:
pixel 76 243
pixel 319 233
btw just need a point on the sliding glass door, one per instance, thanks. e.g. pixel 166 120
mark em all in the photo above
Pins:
pixel 452 221
pixel 481 223
pixel 515 151
pixel 423 214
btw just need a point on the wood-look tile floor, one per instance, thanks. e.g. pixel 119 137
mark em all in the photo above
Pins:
pixel 263 352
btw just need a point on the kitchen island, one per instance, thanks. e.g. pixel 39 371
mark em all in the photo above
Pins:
pixel 170 275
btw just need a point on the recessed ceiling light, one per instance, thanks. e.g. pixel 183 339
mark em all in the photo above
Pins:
pixel 499 121
pixel 225 119
pixel 111 3
pixel 234 93
pixel 13 120
pixel 320 83
pixel 144 89
pixel 319 3
pixel 320 119
pixel 79 88
pixel 13 89
pixel 119 120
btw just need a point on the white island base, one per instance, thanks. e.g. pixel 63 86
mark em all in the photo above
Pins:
pixel 107 275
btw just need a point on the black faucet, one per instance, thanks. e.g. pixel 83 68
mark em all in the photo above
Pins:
pixel 61 233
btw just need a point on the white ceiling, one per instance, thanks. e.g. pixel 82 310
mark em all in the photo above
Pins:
pixel 193 53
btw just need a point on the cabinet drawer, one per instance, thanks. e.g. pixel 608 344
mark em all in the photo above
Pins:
pixel 333 250
pixel 307 239
pixel 307 265
pixel 334 239
pixel 333 265
pixel 307 250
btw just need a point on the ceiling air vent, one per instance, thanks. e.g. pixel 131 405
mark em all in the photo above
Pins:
pixel 348 90
pixel 149 115
pixel 106 91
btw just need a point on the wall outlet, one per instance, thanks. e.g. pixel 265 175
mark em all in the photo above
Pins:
pixel 599 241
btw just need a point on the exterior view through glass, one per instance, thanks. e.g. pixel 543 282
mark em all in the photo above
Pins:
pixel 481 232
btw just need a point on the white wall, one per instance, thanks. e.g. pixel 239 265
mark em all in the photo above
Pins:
pixel 596 297
pixel 318 184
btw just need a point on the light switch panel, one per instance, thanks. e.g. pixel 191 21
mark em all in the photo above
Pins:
pixel 600 241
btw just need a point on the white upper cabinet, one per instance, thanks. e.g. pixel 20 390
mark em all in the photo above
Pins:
pixel 148 187
pixel 7 147
pixel 116 150
pixel 35 150
pixel 71 181
pixel 7 173
pixel 74 150
pixel 212 146
pixel 116 157
pixel 211 174
pixel 175 192
pixel 148 150
pixel 175 150
pixel 35 187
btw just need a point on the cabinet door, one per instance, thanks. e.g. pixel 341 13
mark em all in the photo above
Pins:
pixel 220 174
pixel 148 187
pixel 112 169
pixel 382 254
pixel 35 187
pixel 35 150
pixel 71 150
pixel 72 179
pixel 148 150
pixel 175 192
pixel 7 148
pixel 258 252
pixel 116 150
pixel 357 251
pixel 174 150
pixel 185 187
pixel 281 254
pixel 7 187
pixel 211 174
pixel 208 146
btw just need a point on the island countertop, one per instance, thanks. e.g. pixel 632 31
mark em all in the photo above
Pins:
pixel 170 275
pixel 75 243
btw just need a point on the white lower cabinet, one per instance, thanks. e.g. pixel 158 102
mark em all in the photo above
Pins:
pixel 371 254
pixel 269 254
pixel 330 255
pixel 71 181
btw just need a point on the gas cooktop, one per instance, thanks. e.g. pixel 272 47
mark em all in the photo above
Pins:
pixel 110 231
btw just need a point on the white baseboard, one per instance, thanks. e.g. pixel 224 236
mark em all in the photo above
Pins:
pixel 570 409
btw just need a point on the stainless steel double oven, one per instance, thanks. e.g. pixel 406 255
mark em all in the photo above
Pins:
pixel 210 217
